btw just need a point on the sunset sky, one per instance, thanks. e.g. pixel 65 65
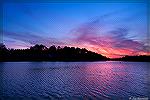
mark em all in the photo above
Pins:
pixel 112 29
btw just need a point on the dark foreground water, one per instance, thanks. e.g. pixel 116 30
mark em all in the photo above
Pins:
pixel 74 80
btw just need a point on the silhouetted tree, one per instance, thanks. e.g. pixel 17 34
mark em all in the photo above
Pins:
pixel 42 53
pixel 2 46
pixel 39 47
pixel 3 51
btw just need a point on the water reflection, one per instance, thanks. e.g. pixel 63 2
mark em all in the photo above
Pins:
pixel 78 80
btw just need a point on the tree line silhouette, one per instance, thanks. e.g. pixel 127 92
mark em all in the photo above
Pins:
pixel 139 58
pixel 53 53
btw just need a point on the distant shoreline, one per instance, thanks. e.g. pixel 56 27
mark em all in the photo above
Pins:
pixel 70 61
pixel 39 53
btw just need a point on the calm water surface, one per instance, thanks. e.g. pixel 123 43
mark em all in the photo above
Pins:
pixel 74 80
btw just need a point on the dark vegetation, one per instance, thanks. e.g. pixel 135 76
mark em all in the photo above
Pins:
pixel 139 58
pixel 53 53
pixel 43 53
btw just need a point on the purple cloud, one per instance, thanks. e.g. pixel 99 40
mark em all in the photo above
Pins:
pixel 32 39
pixel 115 40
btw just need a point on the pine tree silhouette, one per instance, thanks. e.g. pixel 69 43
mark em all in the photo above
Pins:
pixel 43 53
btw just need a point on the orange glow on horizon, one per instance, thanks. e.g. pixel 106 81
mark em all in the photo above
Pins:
pixel 113 52
pixel 107 51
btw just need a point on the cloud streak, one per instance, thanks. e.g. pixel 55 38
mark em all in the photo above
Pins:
pixel 113 43
pixel 113 34
pixel 32 39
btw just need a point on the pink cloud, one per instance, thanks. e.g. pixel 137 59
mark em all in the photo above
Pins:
pixel 111 44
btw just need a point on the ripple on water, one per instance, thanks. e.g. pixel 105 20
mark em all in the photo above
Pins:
pixel 74 80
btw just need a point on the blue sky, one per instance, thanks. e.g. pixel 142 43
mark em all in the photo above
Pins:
pixel 77 24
